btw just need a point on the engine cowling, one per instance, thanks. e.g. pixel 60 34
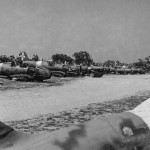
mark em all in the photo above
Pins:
pixel 39 74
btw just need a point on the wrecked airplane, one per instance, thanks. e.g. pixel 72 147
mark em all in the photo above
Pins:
pixel 60 70
pixel 56 70
pixel 23 73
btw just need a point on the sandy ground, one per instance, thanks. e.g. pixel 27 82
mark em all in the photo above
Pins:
pixel 51 122
pixel 44 106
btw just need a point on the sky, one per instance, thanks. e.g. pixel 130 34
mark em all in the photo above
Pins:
pixel 107 29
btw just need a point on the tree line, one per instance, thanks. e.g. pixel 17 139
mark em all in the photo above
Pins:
pixel 81 57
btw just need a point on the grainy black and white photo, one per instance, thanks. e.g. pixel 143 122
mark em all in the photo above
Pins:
pixel 74 74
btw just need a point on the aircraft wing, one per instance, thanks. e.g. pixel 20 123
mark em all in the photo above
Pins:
pixel 123 131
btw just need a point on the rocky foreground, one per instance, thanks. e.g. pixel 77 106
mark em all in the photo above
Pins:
pixel 51 122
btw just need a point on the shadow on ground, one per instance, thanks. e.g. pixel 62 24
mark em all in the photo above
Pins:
pixel 6 84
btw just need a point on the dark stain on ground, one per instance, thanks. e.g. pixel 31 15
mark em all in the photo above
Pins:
pixel 13 85
pixel 72 140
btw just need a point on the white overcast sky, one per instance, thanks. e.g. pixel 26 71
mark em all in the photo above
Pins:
pixel 107 29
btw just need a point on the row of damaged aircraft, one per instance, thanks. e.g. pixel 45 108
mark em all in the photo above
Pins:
pixel 42 70
pixel 123 70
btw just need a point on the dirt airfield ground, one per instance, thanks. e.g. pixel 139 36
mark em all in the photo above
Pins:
pixel 61 102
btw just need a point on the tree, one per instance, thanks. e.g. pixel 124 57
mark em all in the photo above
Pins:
pixel 62 58
pixel 147 59
pixel 109 63
pixel 97 63
pixel 4 58
pixel 23 55
pixel 35 57
pixel 82 57
pixel 141 63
